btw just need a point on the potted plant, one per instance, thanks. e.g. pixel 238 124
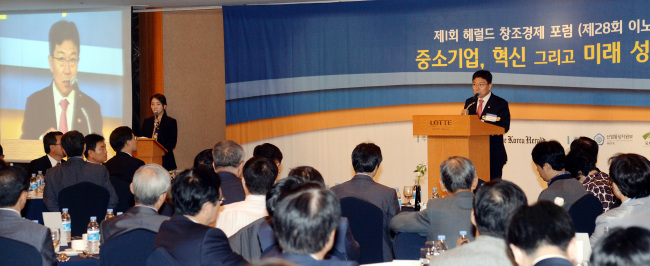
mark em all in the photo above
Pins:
pixel 420 169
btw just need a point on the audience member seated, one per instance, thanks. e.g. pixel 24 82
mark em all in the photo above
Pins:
pixel 123 165
pixel 204 159
pixel 445 216
pixel 366 158
pixel 270 151
pixel 630 174
pixel 623 246
pixel 54 154
pixel 542 235
pixel 73 172
pixel 3 164
pixel 583 167
pixel 228 162
pixel 187 236
pixel 305 222
pixel 95 149
pixel 14 184
pixel 150 185
pixel 493 204
pixel 549 158
pixel 259 175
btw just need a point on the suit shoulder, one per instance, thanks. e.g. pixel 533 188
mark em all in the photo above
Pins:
pixel 499 99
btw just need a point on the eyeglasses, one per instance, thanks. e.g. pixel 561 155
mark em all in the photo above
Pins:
pixel 62 61
pixel 482 85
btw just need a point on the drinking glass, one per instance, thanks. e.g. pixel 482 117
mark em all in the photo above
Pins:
pixel 408 193
pixel 56 239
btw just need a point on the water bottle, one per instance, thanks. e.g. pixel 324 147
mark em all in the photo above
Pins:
pixel 109 214
pixel 441 244
pixel 417 194
pixel 434 193
pixel 93 236
pixel 33 186
pixel 119 213
pixel 462 239
pixel 67 224
pixel 41 182
pixel 399 198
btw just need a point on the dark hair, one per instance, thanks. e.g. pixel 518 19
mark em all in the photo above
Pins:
pixel 278 189
pixel 366 157
pixel 494 203
pixel 586 145
pixel 91 142
pixel 119 137
pixel 73 143
pixel 484 74
pixel 304 220
pixel 268 150
pixel 550 152
pixel 579 162
pixel 260 174
pixel 631 173
pixel 204 159
pixel 13 181
pixel 2 151
pixel 307 174
pixel 227 154
pixel 541 224
pixel 63 31
pixel 161 98
pixel 50 139
pixel 457 173
pixel 194 187
pixel 623 246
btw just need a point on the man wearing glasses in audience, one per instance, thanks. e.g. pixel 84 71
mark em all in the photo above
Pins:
pixel 61 105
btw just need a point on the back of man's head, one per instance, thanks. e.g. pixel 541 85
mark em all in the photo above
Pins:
pixel 494 203
pixel 13 181
pixel 268 150
pixel 623 246
pixel 631 174
pixel 227 154
pixel 73 143
pixel 260 174
pixel 579 163
pixel 457 173
pixel 91 141
pixel 119 137
pixel 204 159
pixel 149 182
pixel 307 174
pixel 550 152
pixel 192 188
pixel 305 219
pixel 50 139
pixel 366 157
pixel 540 225
pixel 586 145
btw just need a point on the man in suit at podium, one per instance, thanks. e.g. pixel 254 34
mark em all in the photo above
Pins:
pixel 491 109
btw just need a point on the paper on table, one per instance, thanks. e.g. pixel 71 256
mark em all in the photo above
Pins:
pixel 53 221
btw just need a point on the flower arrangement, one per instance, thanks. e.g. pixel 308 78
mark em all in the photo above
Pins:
pixel 420 169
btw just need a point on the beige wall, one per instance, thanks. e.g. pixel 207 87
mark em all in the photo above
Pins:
pixel 194 79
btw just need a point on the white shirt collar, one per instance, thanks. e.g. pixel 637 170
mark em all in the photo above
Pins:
pixel 53 161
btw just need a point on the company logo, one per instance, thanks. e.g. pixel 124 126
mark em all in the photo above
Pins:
pixel 646 136
pixel 599 139
pixel 522 140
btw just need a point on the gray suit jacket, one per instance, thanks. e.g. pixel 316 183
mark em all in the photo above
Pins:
pixel 443 216
pixel 15 227
pixel 564 186
pixel 485 250
pixel 363 187
pixel 72 172
pixel 633 212
pixel 137 217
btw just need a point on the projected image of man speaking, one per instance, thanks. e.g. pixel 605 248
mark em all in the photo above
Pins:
pixel 61 105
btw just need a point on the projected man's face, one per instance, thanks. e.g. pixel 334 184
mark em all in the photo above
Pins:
pixel 63 65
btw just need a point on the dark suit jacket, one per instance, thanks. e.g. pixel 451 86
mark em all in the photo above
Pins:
pixel 499 107
pixel 19 229
pixel 72 172
pixel 363 187
pixel 40 114
pixel 231 187
pixel 137 217
pixel 123 166
pixel 191 243
pixel 167 136
pixel 554 262
pixel 41 164
pixel 307 260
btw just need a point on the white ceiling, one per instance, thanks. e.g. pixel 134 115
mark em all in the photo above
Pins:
pixel 35 5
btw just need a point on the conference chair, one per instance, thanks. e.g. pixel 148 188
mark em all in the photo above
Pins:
pixel 406 246
pixel 123 192
pixel 130 248
pixel 584 213
pixel 14 252
pixel 84 200
pixel 366 223
pixel 160 256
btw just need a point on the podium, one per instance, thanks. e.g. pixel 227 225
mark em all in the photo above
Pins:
pixel 150 151
pixel 456 135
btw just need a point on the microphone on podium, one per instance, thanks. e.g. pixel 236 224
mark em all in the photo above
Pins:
pixel 466 110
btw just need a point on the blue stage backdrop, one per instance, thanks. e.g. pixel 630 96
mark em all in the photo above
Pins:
pixel 286 60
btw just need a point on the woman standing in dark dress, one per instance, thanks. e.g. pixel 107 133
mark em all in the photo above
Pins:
pixel 162 128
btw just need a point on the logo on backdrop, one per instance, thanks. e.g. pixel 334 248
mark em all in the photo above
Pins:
pixel 522 140
pixel 613 139
pixel 599 139
pixel 646 139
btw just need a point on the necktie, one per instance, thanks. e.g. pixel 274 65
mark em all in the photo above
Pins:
pixel 479 110
pixel 63 121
